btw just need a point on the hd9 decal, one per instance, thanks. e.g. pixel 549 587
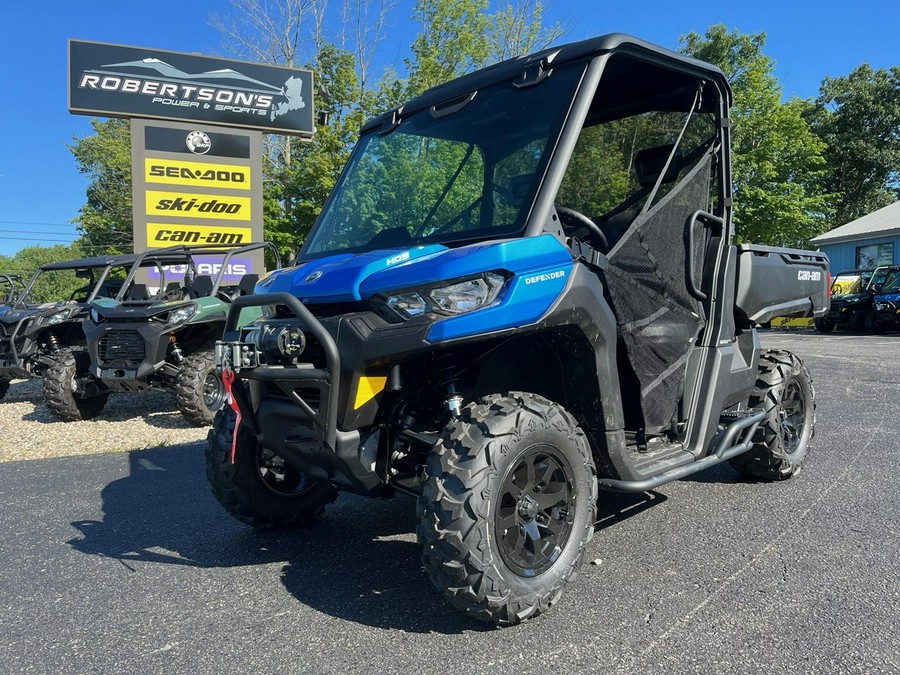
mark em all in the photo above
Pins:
pixel 196 174
pixel 168 234
pixel 187 205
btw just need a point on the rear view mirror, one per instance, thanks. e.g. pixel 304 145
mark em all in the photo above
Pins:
pixel 84 274
pixel 649 163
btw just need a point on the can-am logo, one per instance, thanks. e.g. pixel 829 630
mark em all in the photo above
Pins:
pixel 809 275
pixel 161 234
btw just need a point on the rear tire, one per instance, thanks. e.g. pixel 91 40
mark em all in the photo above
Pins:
pixel 507 507
pixel 4 387
pixel 823 325
pixel 871 324
pixel 199 391
pixel 785 391
pixel 69 392
pixel 259 489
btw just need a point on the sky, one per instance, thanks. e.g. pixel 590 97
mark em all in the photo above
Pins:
pixel 41 189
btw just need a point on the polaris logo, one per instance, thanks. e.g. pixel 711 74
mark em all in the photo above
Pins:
pixel 538 278
pixel 809 275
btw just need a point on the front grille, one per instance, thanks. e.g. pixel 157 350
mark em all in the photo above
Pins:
pixel 118 346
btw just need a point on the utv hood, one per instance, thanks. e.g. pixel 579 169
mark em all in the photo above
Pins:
pixel 351 277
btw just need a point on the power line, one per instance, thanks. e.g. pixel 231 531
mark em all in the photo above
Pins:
pixel 26 222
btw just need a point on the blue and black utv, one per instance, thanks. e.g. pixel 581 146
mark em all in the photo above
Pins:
pixel 522 289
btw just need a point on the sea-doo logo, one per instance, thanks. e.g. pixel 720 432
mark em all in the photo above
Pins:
pixel 159 235
pixel 196 173
pixel 312 277
pixel 197 206
pixel 809 275
pixel 198 142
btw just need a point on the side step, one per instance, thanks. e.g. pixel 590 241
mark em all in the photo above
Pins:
pixel 737 438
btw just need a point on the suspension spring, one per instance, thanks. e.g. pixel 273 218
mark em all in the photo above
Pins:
pixel 445 368
pixel 52 342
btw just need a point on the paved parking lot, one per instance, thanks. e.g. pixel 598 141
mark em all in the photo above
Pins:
pixel 124 562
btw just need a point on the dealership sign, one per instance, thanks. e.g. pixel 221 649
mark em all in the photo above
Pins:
pixel 119 81
pixel 197 186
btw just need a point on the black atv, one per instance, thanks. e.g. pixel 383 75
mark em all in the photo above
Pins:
pixel 852 294
pixel 45 339
pixel 164 340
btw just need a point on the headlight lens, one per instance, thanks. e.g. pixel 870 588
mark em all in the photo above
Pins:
pixel 467 296
pixel 182 314
pixel 456 298
pixel 59 316
pixel 95 316
pixel 408 305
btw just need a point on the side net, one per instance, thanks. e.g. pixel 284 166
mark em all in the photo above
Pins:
pixel 659 320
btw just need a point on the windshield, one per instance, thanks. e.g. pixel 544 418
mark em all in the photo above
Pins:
pixel 892 285
pixel 846 283
pixel 463 170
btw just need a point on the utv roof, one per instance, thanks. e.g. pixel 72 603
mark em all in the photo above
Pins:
pixel 631 83
pixel 97 261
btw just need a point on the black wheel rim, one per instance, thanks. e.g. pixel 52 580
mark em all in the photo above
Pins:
pixel 279 476
pixel 535 511
pixel 213 391
pixel 792 416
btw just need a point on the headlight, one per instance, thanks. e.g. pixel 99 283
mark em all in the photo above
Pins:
pixel 851 301
pixel 407 305
pixel 95 316
pixel 182 314
pixel 456 298
pixel 467 296
pixel 59 316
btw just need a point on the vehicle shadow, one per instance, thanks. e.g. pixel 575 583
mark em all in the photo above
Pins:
pixel 360 562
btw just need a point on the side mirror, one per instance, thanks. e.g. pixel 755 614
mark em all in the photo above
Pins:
pixel 649 163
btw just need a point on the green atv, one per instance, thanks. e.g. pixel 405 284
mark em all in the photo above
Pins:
pixel 44 339
pixel 165 340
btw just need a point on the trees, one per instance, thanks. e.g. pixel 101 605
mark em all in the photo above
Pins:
pixel 105 220
pixel 778 164
pixel 858 117
pixel 50 286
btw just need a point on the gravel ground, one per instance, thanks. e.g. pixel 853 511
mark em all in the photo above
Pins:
pixel 129 422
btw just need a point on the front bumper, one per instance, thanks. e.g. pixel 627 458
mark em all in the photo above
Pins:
pixel 310 412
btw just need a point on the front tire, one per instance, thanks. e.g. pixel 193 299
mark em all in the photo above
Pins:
pixel 259 489
pixel 785 391
pixel 69 392
pixel 199 391
pixel 507 507
pixel 824 325
pixel 871 324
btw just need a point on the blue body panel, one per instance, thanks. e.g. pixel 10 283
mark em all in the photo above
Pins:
pixel 889 297
pixel 538 270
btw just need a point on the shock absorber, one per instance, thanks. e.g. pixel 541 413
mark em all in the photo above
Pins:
pixel 445 367
pixel 52 342
pixel 174 351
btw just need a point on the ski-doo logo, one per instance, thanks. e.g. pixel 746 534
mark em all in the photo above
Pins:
pixel 538 278
pixel 809 275
pixel 196 173
pixel 197 206
pixel 160 235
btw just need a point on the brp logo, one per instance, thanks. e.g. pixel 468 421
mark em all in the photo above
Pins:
pixel 198 142
pixel 312 277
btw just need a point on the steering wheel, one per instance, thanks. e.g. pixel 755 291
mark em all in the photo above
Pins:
pixel 572 218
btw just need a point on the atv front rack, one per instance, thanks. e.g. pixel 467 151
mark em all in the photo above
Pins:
pixel 247 362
